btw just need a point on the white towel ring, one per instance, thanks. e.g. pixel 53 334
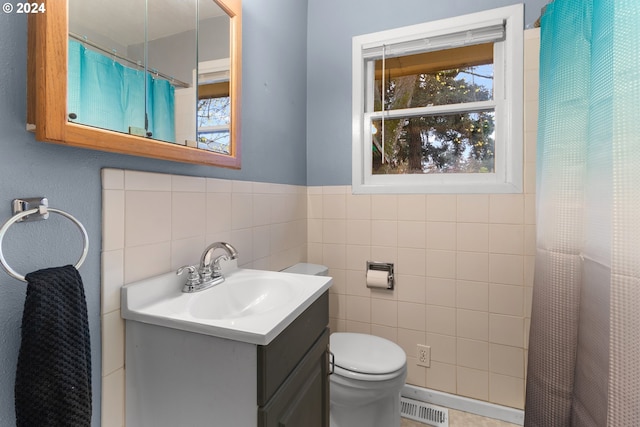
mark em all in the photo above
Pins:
pixel 41 209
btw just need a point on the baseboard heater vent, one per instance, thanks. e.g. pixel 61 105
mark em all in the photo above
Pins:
pixel 427 413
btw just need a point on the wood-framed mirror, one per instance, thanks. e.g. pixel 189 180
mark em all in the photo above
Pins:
pixel 47 102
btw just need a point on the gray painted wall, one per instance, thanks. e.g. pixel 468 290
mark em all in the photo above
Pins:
pixel 273 134
pixel 332 24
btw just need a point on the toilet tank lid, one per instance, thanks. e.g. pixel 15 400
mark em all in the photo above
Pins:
pixel 366 354
pixel 306 268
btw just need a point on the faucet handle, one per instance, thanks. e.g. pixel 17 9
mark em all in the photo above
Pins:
pixel 217 268
pixel 193 278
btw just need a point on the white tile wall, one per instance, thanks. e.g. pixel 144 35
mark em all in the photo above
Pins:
pixel 154 223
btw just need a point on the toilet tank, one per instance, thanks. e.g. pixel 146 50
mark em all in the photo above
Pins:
pixel 306 268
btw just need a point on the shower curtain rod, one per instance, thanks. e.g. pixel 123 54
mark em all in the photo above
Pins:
pixel 84 40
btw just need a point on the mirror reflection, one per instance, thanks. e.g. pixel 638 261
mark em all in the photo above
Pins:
pixel 134 68
pixel 213 111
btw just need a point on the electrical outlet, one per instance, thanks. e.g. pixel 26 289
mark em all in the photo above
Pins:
pixel 424 355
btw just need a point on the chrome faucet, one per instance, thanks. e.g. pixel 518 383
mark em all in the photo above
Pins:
pixel 206 271
pixel 209 273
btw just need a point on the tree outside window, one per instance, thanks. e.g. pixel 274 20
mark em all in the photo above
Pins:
pixel 439 143
pixel 214 118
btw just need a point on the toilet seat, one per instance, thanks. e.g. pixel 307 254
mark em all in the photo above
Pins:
pixel 345 373
pixel 366 357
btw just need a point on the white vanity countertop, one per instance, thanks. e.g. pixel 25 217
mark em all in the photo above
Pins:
pixel 251 306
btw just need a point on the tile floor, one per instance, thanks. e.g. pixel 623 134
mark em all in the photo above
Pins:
pixel 463 419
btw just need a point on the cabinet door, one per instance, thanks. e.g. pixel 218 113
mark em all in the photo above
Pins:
pixel 277 361
pixel 303 400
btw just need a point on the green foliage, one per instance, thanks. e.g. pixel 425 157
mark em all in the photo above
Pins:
pixel 459 142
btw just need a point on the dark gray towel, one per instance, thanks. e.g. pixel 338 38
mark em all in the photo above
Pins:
pixel 53 379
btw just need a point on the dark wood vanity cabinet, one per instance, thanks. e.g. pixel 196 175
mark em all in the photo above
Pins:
pixel 293 382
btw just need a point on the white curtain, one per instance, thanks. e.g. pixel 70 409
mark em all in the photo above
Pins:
pixel 584 348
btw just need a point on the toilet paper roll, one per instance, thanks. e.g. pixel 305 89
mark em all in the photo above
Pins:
pixel 377 279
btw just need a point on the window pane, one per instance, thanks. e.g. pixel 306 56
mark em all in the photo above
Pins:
pixel 214 112
pixel 217 141
pixel 444 77
pixel 444 143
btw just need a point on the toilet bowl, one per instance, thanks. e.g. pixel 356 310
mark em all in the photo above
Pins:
pixel 368 373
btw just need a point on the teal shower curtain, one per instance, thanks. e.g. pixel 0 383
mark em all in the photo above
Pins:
pixel 584 345
pixel 103 93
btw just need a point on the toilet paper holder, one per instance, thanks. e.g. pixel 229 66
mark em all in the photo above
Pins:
pixel 386 267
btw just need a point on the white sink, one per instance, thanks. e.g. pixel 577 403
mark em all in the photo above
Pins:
pixel 251 306
pixel 247 296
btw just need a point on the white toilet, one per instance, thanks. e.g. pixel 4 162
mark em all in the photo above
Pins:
pixel 368 375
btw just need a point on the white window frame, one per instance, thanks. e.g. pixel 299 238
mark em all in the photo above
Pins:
pixel 508 97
